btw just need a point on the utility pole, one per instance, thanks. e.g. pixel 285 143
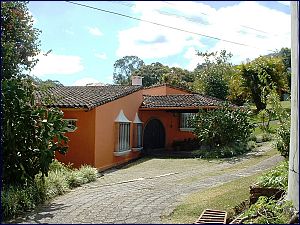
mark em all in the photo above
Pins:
pixel 293 179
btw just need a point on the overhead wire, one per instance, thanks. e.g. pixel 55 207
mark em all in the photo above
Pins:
pixel 189 18
pixel 165 26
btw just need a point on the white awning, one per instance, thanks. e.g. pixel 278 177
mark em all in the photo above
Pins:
pixel 137 119
pixel 121 118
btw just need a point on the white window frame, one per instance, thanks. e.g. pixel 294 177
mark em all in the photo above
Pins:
pixel 184 117
pixel 137 134
pixel 70 122
pixel 123 135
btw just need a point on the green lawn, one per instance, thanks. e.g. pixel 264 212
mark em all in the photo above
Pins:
pixel 222 197
pixel 273 128
pixel 284 104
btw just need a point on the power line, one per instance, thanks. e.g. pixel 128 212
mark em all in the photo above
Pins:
pixel 166 26
pixel 244 26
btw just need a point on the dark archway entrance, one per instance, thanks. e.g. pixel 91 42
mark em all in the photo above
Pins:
pixel 154 135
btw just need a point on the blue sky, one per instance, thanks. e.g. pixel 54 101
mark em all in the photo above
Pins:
pixel 85 42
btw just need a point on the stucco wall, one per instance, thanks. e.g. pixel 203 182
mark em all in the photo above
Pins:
pixel 105 132
pixel 82 140
pixel 171 123
pixel 162 90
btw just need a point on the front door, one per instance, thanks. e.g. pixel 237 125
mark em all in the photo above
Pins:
pixel 154 135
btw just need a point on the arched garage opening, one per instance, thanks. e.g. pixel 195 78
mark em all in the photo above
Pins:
pixel 154 135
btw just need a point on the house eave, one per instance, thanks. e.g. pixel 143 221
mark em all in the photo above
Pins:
pixel 177 108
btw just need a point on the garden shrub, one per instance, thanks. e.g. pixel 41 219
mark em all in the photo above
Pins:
pixel 251 145
pixel 282 136
pixel 269 211
pixel 276 178
pixel 15 199
pixel 252 137
pixel 60 179
pixel 223 126
pixel 266 137
pixel 32 133
pixel 56 184
pixel 225 151
pixel 88 173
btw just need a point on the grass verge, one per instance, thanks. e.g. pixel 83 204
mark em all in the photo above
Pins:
pixel 223 197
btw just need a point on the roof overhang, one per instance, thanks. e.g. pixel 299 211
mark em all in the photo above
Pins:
pixel 178 108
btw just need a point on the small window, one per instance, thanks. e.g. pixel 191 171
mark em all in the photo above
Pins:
pixel 139 128
pixel 123 135
pixel 186 121
pixel 137 134
pixel 71 126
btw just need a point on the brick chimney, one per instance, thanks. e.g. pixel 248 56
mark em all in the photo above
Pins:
pixel 136 80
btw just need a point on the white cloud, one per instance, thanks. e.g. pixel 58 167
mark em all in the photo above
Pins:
pixel 84 81
pixel 287 3
pixel 101 55
pixel 53 64
pixel 193 59
pixel 95 31
pixel 246 22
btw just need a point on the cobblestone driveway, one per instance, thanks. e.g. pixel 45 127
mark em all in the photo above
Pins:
pixel 131 195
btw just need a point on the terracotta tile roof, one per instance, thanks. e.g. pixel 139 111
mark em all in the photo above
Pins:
pixel 87 97
pixel 179 100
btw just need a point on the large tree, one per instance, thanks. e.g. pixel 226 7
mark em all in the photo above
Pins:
pixel 179 77
pixel 124 67
pixel 152 74
pixel 157 73
pixel 19 39
pixel 262 75
pixel 31 132
pixel 213 74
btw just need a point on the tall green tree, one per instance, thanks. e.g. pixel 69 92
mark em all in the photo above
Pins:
pixel 179 77
pixel 32 133
pixel 238 94
pixel 262 75
pixel 212 76
pixel 47 83
pixel 124 67
pixel 157 73
pixel 285 54
pixel 152 74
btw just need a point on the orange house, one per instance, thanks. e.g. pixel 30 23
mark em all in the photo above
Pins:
pixel 115 123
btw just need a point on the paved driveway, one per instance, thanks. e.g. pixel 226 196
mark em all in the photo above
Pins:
pixel 144 191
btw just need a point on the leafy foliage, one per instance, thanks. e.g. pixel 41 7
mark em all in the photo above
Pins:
pixel 212 76
pixel 238 94
pixel 285 54
pixel 152 74
pixel 31 133
pixel 124 67
pixel 268 211
pixel 46 84
pixel 230 150
pixel 276 178
pixel 262 75
pixel 16 199
pixel 282 135
pixel 179 77
pixel 223 126
pixel 265 116
pixel 19 39
pixel 157 73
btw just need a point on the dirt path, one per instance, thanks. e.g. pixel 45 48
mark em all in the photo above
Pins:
pixel 144 191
